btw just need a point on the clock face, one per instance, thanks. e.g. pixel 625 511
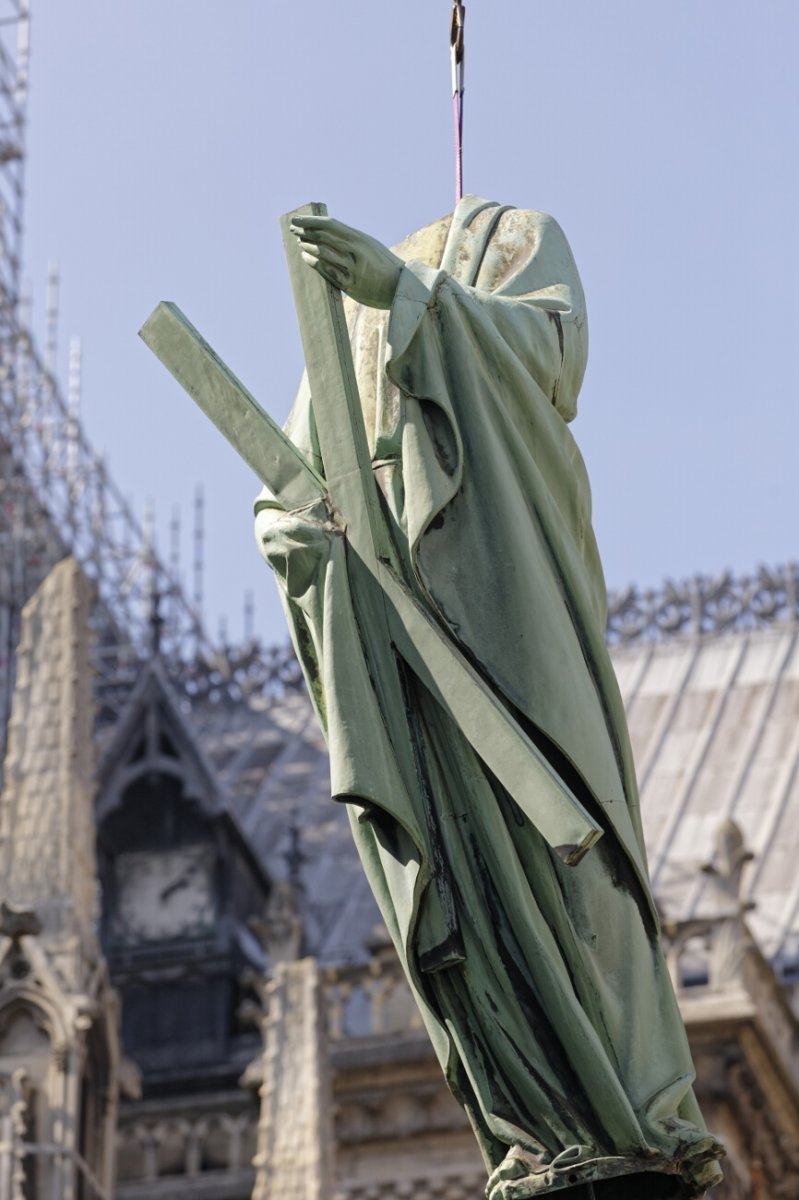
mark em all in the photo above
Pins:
pixel 163 895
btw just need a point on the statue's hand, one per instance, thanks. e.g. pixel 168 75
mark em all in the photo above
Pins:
pixel 358 264
pixel 297 545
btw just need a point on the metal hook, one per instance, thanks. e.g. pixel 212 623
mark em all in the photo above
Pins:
pixel 458 58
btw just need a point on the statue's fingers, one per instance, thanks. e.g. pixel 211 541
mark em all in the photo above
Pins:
pixel 332 272
pixel 312 228
pixel 327 224
pixel 325 229
pixel 308 221
pixel 325 237
pixel 333 256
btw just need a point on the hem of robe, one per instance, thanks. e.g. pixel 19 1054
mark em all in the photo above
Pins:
pixel 696 1168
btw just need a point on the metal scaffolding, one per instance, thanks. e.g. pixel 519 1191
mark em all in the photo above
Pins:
pixel 56 494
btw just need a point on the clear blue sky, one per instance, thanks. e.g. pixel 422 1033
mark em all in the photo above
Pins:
pixel 166 137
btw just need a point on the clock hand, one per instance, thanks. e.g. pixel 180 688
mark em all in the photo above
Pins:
pixel 181 882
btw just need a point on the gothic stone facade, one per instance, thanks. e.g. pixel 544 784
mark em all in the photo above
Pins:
pixel 197 998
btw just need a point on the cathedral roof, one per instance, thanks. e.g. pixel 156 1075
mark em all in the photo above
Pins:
pixel 274 766
pixel 709 672
pixel 715 728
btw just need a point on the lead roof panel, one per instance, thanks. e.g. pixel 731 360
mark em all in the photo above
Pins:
pixel 714 723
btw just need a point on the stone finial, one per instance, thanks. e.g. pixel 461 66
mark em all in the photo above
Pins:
pixel 280 931
pixel 727 866
pixel 16 923
pixel 729 936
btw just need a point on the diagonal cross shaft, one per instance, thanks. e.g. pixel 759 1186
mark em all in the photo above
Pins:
pixel 394 622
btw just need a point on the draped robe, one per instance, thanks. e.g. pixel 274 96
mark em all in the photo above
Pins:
pixel 542 985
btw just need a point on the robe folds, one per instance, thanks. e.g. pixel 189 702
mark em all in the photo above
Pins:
pixel 542 985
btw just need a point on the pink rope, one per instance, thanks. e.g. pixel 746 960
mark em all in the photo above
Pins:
pixel 457 101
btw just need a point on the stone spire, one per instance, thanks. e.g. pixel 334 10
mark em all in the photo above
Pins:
pixel 295 1137
pixel 59 1051
pixel 47 854
pixel 295 1158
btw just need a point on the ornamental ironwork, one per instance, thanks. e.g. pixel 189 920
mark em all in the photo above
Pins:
pixel 704 605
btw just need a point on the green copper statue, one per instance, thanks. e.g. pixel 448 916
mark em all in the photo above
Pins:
pixel 428 516
pixel 542 983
